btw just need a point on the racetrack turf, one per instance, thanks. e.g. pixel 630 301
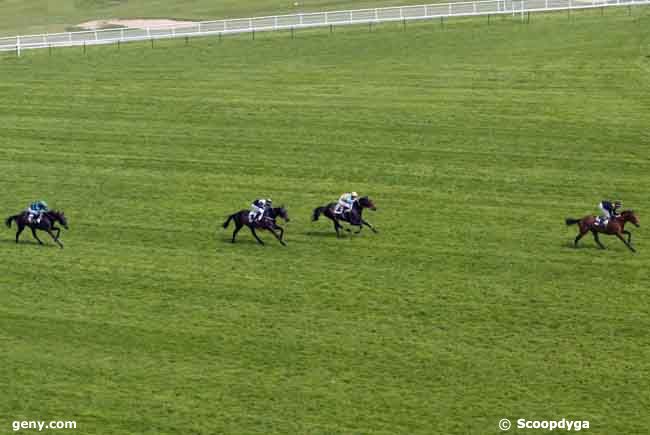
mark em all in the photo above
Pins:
pixel 469 306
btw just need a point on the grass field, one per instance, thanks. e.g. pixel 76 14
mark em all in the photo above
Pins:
pixel 470 305
pixel 38 16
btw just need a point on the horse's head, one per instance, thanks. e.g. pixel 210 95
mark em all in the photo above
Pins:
pixel 365 202
pixel 281 212
pixel 59 216
pixel 630 216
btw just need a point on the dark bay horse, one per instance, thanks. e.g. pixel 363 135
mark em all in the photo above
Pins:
pixel 47 224
pixel 615 226
pixel 242 218
pixel 354 217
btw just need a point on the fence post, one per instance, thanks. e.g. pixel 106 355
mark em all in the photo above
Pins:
pixel 122 34
pixel 199 27
pixel 95 35
pixel 70 36
pixel 18 46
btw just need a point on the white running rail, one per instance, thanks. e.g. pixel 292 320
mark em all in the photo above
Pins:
pixel 303 20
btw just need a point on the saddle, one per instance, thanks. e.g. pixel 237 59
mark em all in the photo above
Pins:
pixel 34 218
pixel 252 217
pixel 340 211
pixel 602 221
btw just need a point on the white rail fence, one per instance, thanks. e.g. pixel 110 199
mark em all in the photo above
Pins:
pixel 303 20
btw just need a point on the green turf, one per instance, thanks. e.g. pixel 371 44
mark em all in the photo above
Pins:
pixel 39 16
pixel 469 305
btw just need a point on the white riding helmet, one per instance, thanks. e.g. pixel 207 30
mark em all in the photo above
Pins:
pixel 354 195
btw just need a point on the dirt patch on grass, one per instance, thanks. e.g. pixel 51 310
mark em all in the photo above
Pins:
pixel 131 23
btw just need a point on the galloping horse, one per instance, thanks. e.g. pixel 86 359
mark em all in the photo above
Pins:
pixel 47 224
pixel 615 226
pixel 242 218
pixel 354 217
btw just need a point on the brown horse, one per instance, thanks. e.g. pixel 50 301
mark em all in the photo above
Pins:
pixel 47 224
pixel 353 217
pixel 242 218
pixel 615 226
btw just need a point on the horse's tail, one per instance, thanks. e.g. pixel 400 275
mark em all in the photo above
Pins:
pixel 8 221
pixel 227 222
pixel 570 221
pixel 317 213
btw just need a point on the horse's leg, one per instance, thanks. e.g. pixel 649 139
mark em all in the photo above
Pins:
pixel 597 239
pixel 19 230
pixel 629 235
pixel 277 237
pixel 620 236
pixel 55 238
pixel 255 234
pixel 35 236
pixel 281 231
pixel 238 227
pixel 578 237
pixel 338 227
pixel 369 225
pixel 58 232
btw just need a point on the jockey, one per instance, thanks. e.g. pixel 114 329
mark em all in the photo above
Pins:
pixel 36 210
pixel 609 209
pixel 259 207
pixel 346 201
